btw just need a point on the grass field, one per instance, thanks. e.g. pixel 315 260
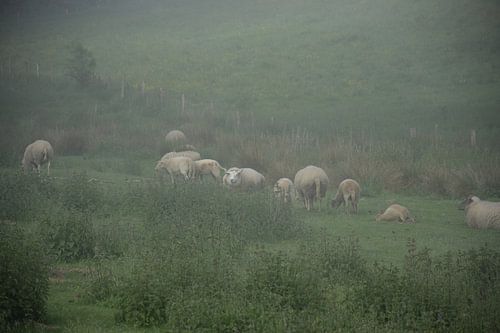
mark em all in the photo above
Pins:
pixel 273 85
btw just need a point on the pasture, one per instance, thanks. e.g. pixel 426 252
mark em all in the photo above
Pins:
pixel 401 97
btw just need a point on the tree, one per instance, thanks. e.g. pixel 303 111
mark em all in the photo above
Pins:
pixel 81 64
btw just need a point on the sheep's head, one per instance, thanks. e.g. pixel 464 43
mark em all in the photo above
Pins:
pixel 233 176
pixel 336 203
pixel 467 201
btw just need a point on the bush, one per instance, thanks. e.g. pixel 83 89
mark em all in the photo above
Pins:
pixel 23 278
pixel 21 195
pixel 67 234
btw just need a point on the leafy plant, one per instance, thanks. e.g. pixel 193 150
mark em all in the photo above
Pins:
pixel 24 281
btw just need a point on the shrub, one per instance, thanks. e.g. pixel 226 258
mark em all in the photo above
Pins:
pixel 23 278
pixel 67 234
pixel 79 193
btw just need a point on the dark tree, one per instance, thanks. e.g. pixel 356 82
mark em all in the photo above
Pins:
pixel 81 64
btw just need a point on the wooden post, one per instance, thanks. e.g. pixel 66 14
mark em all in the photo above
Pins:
pixel 37 71
pixel 122 92
pixel 143 88
pixel 473 137
pixel 238 119
pixel 436 138
pixel 413 133
pixel 183 103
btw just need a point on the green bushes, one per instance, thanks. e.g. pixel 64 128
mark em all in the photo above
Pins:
pixel 23 278
pixel 67 234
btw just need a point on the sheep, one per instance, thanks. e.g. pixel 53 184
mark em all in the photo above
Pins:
pixel 36 154
pixel 175 137
pixel 194 155
pixel 311 184
pixel 395 212
pixel 208 167
pixel 283 189
pixel 243 178
pixel 481 214
pixel 349 190
pixel 176 166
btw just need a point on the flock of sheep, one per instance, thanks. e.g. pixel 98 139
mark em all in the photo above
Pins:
pixel 309 185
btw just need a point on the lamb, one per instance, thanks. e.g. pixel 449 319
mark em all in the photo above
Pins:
pixel 175 137
pixel 194 155
pixel 283 189
pixel 349 190
pixel 175 166
pixel 244 179
pixel 481 214
pixel 208 167
pixel 36 154
pixel 311 184
pixel 395 212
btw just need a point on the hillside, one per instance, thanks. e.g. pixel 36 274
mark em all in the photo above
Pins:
pixel 322 64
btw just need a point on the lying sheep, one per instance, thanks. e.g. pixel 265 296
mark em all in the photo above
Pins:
pixel 176 166
pixel 481 214
pixel 36 154
pixel 283 189
pixel 395 212
pixel 311 184
pixel 349 190
pixel 175 137
pixel 208 167
pixel 244 179
pixel 194 155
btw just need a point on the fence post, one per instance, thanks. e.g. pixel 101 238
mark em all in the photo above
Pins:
pixel 413 133
pixel 183 103
pixel 122 91
pixel 161 98
pixel 37 71
pixel 473 137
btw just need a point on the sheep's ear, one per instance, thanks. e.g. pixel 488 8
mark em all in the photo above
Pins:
pixel 239 171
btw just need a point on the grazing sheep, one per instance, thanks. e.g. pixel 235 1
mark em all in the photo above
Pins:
pixel 311 184
pixel 349 190
pixel 481 214
pixel 208 167
pixel 395 212
pixel 37 154
pixel 187 147
pixel 283 189
pixel 175 166
pixel 194 155
pixel 175 137
pixel 244 179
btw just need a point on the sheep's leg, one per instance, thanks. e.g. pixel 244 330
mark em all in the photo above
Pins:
pixel 346 204
pixel 48 168
pixel 172 178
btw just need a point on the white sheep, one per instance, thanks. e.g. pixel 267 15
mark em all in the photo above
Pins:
pixel 284 189
pixel 481 214
pixel 311 184
pixel 243 178
pixel 349 190
pixel 175 137
pixel 176 166
pixel 36 154
pixel 395 212
pixel 194 155
pixel 209 167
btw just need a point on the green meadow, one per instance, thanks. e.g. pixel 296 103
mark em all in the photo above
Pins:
pixel 401 96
